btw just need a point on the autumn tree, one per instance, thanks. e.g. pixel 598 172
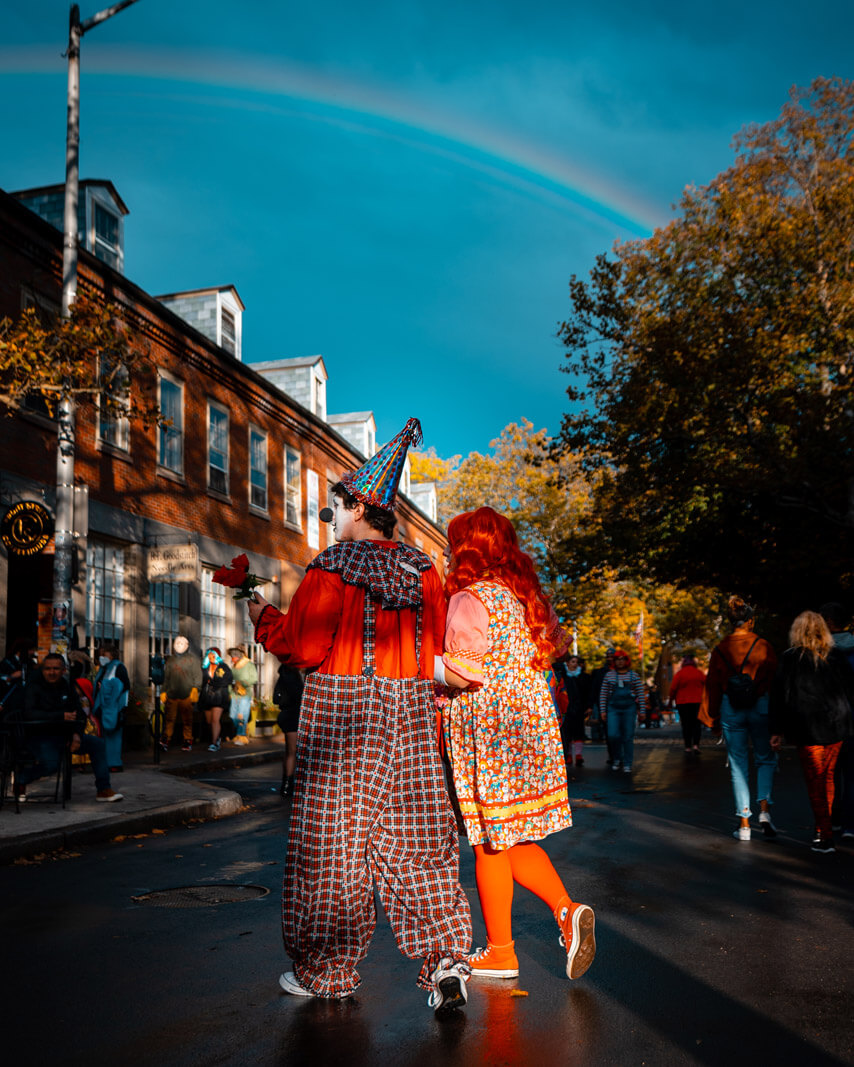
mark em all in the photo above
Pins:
pixel 87 358
pixel 712 369
pixel 522 478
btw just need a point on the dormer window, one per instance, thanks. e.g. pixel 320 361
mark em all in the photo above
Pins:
pixel 107 243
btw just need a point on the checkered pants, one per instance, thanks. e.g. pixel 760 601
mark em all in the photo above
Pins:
pixel 370 810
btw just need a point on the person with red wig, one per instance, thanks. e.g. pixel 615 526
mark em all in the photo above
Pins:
pixel 503 738
pixel 621 699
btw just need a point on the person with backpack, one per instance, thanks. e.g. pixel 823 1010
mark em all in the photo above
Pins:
pixel 621 699
pixel 735 702
pixel 811 700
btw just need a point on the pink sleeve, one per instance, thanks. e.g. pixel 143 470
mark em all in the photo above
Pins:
pixel 465 636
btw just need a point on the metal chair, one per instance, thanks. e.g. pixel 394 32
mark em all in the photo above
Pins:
pixel 20 737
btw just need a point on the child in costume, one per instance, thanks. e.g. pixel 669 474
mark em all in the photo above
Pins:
pixel 370 808
pixel 503 738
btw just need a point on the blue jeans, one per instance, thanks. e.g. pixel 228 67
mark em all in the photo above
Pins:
pixel 621 734
pixel 48 752
pixel 739 727
pixel 240 709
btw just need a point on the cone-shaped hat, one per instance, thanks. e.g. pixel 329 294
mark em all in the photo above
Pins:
pixel 376 482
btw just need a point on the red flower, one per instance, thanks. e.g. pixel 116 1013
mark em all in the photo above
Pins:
pixel 237 576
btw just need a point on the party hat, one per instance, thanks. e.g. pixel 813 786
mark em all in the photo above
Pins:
pixel 376 482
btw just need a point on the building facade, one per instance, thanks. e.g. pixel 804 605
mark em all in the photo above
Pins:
pixel 244 465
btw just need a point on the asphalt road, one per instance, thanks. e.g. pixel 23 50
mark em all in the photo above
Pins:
pixel 711 951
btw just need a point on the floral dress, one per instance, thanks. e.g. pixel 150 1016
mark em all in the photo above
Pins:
pixel 502 738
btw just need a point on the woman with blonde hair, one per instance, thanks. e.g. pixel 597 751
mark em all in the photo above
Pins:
pixel 503 738
pixel 811 707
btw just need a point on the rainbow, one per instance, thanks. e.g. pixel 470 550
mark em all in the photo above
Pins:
pixel 505 158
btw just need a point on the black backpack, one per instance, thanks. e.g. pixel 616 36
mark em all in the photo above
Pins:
pixel 741 688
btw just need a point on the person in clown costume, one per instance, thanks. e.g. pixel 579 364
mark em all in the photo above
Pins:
pixel 370 808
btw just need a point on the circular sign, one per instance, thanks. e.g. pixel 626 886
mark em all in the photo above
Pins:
pixel 26 528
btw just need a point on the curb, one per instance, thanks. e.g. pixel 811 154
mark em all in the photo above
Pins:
pixel 213 803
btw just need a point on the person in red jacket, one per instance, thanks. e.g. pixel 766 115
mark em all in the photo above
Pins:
pixel 370 808
pixel 686 693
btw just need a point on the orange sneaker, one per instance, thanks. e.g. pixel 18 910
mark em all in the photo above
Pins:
pixel 494 961
pixel 577 934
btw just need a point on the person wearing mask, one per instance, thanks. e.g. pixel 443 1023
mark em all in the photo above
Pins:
pixel 243 677
pixel 621 700
pixel 214 700
pixel 502 736
pixel 111 687
pixel 686 693
pixel 837 619
pixel 576 684
pixel 812 698
pixel 50 696
pixel 182 680
pixel 735 702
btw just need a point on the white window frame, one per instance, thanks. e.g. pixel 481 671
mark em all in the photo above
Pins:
pixel 214 607
pixel 293 488
pixel 220 410
pixel 121 423
pixel 256 430
pixel 106 569
pixel 312 509
pixel 109 252
pixel 163 432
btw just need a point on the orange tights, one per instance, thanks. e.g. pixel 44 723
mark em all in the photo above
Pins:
pixel 496 872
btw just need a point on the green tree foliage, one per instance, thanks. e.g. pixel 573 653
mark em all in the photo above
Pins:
pixel 86 358
pixel 712 371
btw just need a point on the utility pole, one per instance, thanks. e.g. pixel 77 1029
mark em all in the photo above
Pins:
pixel 62 621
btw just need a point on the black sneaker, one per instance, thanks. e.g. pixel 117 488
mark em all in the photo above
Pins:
pixel 164 746
pixel 187 746
pixel 823 845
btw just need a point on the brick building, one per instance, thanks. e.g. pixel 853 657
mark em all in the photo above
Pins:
pixel 244 466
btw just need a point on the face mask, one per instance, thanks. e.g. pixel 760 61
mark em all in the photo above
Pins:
pixel 103 660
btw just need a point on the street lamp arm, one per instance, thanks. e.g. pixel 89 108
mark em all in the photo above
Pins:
pixel 102 16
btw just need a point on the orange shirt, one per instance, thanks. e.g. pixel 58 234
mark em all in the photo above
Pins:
pixel 322 628
pixel 761 667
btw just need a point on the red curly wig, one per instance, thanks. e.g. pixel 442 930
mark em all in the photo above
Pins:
pixel 484 545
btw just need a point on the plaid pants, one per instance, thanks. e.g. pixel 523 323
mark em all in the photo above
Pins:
pixel 370 810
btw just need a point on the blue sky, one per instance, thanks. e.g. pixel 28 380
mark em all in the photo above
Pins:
pixel 405 187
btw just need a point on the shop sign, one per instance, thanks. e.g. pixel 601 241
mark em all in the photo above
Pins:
pixel 26 528
pixel 173 563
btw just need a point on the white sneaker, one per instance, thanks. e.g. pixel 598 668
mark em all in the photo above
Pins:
pixel 289 984
pixel 627 769
pixel 449 986
pixel 742 833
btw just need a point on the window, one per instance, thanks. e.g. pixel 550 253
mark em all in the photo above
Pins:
pixel 258 469
pixel 228 331
pixel 312 510
pixel 105 592
pixel 163 617
pixel 217 449
pixel 107 244
pixel 113 428
pixel 171 451
pixel 293 492
pixel 213 613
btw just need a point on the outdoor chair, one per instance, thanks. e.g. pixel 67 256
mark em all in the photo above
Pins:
pixel 19 738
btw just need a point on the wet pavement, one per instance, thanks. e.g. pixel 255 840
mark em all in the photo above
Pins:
pixel 711 951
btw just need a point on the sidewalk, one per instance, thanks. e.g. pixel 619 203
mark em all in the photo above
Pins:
pixel 156 796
